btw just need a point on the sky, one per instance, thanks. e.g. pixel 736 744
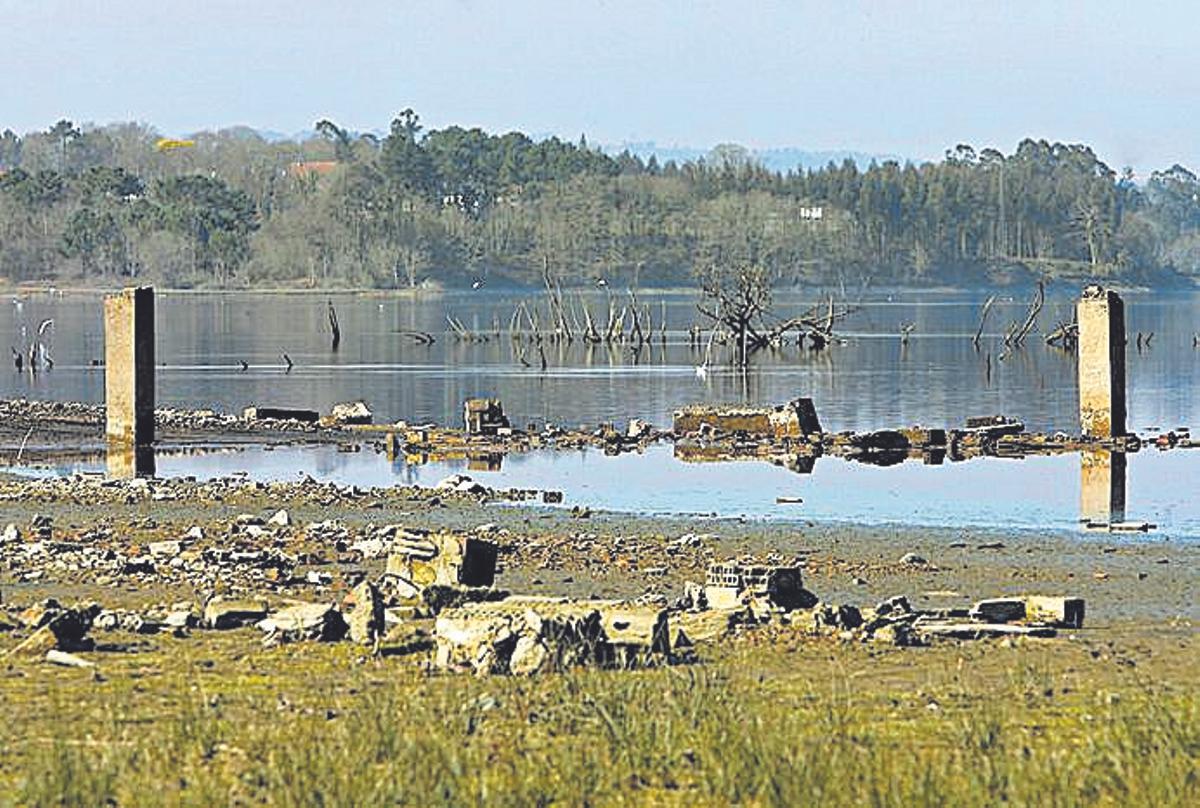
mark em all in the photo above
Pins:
pixel 908 78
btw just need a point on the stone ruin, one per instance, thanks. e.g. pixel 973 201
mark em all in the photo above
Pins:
pixel 484 416
pixel 796 419
pixel 732 585
pixel 525 635
pixel 440 559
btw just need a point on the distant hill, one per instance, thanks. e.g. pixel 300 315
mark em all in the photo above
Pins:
pixel 785 158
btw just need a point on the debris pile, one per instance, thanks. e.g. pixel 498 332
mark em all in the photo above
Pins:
pixel 896 622
pixel 525 635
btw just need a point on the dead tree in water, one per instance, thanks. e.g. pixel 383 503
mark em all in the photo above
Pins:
pixel 740 300
pixel 1016 334
pixel 1065 336
pixel 1035 308
pixel 334 328
pixel 742 297
pixel 987 306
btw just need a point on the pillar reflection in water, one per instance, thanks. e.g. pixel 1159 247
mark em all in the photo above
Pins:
pixel 124 461
pixel 1102 486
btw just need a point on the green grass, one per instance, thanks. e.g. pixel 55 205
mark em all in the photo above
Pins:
pixel 764 723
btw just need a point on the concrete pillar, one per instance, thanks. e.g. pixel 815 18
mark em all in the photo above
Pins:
pixel 1101 316
pixel 1102 486
pixel 129 366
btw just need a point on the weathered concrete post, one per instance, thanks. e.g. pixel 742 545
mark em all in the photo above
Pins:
pixel 129 366
pixel 1102 486
pixel 1101 316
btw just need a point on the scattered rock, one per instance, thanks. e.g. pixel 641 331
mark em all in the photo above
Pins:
pixel 354 412
pixel 165 549
pixel 225 614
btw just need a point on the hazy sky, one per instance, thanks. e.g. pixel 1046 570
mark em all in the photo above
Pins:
pixel 909 78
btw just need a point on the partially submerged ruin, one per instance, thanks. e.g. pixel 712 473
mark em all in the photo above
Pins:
pixel 796 419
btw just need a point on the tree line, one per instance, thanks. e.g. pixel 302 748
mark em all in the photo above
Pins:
pixel 459 206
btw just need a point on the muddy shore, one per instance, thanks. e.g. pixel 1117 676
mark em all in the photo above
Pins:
pixel 191 714
pixel 552 550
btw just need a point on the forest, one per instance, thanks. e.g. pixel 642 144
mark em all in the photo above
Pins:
pixel 455 207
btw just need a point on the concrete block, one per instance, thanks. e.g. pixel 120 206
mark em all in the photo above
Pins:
pixel 444 559
pixel 1061 611
pixel 978 631
pixel 730 585
pixel 999 610
pixel 796 419
pixel 222 614
pixel 280 414
pixel 526 635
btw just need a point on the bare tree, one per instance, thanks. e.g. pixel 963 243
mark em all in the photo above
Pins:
pixel 739 300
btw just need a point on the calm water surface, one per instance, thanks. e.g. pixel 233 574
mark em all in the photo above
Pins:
pixel 1039 493
pixel 870 381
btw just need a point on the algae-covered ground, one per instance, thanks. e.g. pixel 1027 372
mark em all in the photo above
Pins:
pixel 1105 714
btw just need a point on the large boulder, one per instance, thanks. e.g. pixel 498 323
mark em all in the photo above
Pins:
pixel 304 621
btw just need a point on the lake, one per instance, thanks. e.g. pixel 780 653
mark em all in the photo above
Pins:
pixel 868 381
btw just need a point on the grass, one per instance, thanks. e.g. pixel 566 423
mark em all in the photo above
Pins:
pixel 776 721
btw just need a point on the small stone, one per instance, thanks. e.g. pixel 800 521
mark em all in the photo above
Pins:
pixel 913 559
pixel 11 534
pixel 280 519
pixel 367 618
pixel 57 657
pixel 165 549
pixel 180 619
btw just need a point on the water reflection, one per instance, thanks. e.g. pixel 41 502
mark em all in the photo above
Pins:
pixel 125 461
pixel 1102 487
pixel 1035 493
